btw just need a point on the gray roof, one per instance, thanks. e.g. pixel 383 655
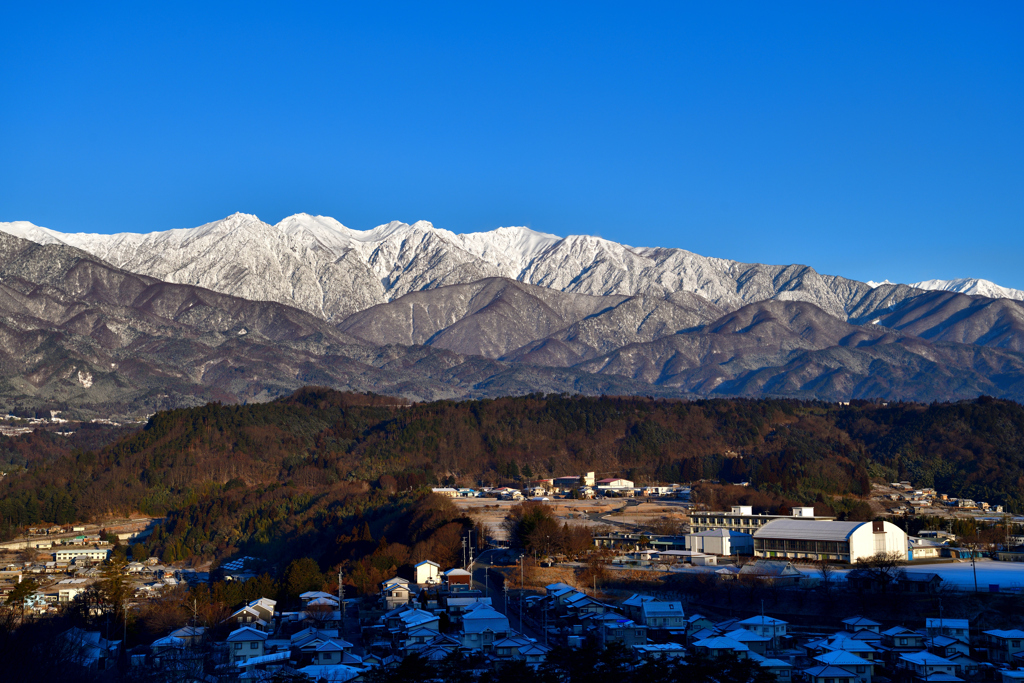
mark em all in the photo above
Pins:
pixel 808 529
pixel 829 671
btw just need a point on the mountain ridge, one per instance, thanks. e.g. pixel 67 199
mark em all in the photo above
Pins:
pixel 317 264
pixel 420 312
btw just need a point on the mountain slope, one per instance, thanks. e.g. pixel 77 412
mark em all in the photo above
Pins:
pixel 320 266
pixel 77 333
pixel 796 349
pixel 948 316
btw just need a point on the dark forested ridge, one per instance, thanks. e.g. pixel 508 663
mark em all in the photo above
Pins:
pixel 231 476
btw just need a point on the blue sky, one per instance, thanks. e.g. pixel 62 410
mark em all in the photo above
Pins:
pixel 869 140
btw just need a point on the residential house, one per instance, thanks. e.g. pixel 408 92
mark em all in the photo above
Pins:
pixel 902 638
pixel 581 605
pixel 248 616
pixel 768 627
pixel 720 646
pixel 779 572
pixel 190 634
pixel 90 649
pixel 664 615
pixel 456 580
pixel 332 651
pixel 828 674
pixel 406 619
pixel 624 631
pixel 482 626
pixel 423 637
pixel 861 648
pixel 631 606
pixel 167 643
pixel 507 648
pixel 309 596
pixel 533 654
pixel 427 572
pixel 919 582
pixel 456 605
pixel 395 592
pixel 782 670
pixel 950 648
pixel 925 666
pixel 862 669
pixel 1004 646
pixel 244 643
pixel 959 629
pixel 757 644
pixel 306 641
pixel 696 622
pixel 861 623
pixel 898 641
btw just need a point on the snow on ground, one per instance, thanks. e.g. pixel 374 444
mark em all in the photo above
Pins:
pixel 1006 575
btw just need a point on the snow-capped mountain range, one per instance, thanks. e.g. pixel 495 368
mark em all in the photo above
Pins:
pixel 972 286
pixel 426 313
pixel 318 265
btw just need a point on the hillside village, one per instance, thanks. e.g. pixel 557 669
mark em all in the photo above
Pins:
pixel 487 618
pixel 441 614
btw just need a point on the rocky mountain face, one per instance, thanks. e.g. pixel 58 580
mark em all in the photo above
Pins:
pixel 78 334
pixel 320 266
pixel 240 310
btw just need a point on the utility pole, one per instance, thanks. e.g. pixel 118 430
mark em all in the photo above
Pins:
pixel 341 600
pixel 470 534
pixel 463 553
pixel 545 623
pixel 522 587
pixel 974 556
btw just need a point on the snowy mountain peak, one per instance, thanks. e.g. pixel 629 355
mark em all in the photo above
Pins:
pixel 973 286
pixel 321 266
pixel 31 232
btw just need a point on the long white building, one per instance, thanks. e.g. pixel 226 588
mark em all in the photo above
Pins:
pixel 818 540
pixel 66 555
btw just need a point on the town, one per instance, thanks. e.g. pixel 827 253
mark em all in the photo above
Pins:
pixel 698 591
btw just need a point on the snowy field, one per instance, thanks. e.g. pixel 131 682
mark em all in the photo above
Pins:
pixel 1009 576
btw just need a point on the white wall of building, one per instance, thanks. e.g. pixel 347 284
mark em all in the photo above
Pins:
pixel 865 543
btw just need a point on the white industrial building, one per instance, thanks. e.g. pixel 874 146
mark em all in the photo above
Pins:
pixel 721 542
pixel 88 553
pixel 818 540
pixel 742 518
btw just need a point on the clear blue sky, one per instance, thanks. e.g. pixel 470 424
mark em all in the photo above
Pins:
pixel 866 139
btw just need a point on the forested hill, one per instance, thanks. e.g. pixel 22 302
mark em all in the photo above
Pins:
pixel 317 441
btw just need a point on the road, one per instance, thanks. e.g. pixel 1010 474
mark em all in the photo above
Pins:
pixel 491 583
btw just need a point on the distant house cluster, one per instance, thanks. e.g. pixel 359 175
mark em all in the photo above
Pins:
pixel 584 485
